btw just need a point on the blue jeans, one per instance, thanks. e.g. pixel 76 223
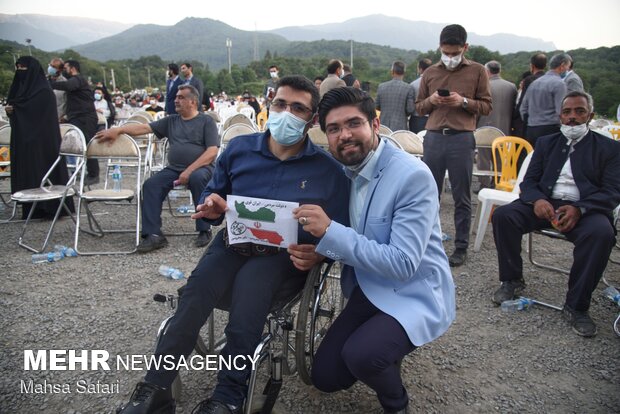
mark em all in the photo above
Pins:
pixel 155 190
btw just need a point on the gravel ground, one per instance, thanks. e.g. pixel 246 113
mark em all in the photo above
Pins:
pixel 527 362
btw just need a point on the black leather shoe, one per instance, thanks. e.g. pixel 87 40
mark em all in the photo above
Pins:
pixel 149 398
pixel 458 257
pixel 203 238
pixel 152 242
pixel 508 291
pixel 581 322
pixel 215 407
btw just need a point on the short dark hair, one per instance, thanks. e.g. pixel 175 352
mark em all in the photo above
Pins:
pixel 539 61
pixel 303 84
pixel 398 67
pixel 425 63
pixel 187 64
pixel 346 96
pixel 273 67
pixel 193 92
pixel 346 68
pixel 73 63
pixel 174 68
pixel 453 34
pixel 493 66
pixel 321 78
pixel 333 65
pixel 580 94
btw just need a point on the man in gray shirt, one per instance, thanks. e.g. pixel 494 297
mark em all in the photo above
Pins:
pixel 417 122
pixel 395 99
pixel 193 145
pixel 543 100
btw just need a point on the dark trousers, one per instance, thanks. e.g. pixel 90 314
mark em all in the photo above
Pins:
pixel 417 123
pixel 88 126
pixel 248 286
pixel 454 153
pixel 593 237
pixel 155 190
pixel 363 344
pixel 535 132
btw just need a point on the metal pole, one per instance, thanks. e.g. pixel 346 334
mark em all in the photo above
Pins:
pixel 129 77
pixel 148 72
pixel 351 53
pixel 113 80
pixel 104 80
pixel 229 46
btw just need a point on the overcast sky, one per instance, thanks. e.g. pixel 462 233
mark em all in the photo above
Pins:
pixel 569 24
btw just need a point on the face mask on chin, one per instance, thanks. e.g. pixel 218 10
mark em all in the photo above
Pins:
pixel 574 132
pixel 285 128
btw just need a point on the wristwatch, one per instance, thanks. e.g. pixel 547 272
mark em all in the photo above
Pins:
pixel 465 102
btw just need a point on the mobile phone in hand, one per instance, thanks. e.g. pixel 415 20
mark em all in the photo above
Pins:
pixel 443 92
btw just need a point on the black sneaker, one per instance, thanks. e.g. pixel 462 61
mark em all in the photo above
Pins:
pixel 215 407
pixel 458 257
pixel 508 290
pixel 203 238
pixel 580 321
pixel 149 398
pixel 152 242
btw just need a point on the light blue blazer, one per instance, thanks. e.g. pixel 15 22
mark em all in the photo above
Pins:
pixel 396 256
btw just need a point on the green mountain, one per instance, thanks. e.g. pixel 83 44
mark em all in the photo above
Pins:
pixel 203 40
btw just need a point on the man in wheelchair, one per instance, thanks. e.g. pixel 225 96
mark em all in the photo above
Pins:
pixel 281 164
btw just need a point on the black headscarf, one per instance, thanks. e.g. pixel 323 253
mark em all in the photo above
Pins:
pixel 27 83
pixel 35 134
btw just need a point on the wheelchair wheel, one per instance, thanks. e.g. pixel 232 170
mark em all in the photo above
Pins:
pixel 321 302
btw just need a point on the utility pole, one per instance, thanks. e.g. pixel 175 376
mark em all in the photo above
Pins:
pixel 29 50
pixel 229 46
pixel 113 80
pixel 129 77
pixel 104 81
pixel 148 72
pixel 351 54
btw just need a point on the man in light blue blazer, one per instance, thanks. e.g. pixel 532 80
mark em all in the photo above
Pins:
pixel 396 274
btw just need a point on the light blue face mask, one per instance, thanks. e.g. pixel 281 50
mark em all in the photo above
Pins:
pixel 51 71
pixel 286 128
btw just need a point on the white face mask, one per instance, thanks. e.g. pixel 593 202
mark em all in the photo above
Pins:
pixel 273 74
pixel 451 62
pixel 574 132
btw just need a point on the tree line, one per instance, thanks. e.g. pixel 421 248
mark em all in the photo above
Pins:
pixel 598 68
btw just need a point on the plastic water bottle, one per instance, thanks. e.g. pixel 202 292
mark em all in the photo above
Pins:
pixel 186 209
pixel 516 304
pixel 117 178
pixel 613 294
pixel 47 257
pixel 170 272
pixel 66 251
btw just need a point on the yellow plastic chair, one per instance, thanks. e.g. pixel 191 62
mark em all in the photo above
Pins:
pixel 261 119
pixel 509 150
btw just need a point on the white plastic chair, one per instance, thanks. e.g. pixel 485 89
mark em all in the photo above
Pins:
pixel 409 141
pixel 383 130
pixel 5 166
pixel 232 132
pixel 488 198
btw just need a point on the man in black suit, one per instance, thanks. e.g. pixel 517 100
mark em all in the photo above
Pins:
pixel 573 184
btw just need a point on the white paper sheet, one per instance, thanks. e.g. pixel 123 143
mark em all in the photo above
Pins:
pixel 261 221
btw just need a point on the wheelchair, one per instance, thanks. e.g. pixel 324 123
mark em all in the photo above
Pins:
pixel 293 331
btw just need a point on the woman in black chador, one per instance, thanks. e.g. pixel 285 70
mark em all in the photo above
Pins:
pixel 35 134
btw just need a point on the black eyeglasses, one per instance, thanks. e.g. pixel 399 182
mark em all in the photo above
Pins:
pixel 296 108
pixel 334 131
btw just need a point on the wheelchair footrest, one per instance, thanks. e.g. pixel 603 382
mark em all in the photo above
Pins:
pixel 271 392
